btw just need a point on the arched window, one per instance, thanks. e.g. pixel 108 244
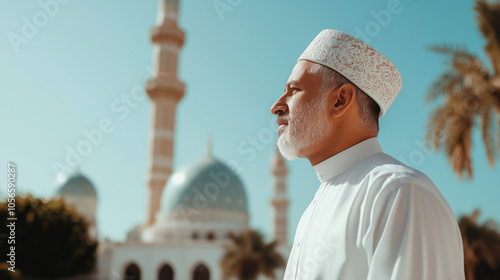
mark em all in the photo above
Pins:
pixel 132 272
pixel 166 273
pixel 194 235
pixel 210 236
pixel 201 273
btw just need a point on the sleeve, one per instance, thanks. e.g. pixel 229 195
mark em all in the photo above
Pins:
pixel 413 236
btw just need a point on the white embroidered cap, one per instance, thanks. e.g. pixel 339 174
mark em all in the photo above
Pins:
pixel 361 64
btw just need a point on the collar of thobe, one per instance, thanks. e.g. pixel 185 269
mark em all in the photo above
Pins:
pixel 346 159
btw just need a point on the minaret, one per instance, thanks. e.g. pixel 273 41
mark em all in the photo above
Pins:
pixel 209 147
pixel 279 201
pixel 165 91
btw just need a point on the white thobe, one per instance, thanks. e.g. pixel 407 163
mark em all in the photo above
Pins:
pixel 375 218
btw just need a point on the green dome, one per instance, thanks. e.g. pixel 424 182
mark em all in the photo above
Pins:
pixel 76 184
pixel 205 184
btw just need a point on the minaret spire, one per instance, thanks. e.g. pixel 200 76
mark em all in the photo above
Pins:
pixel 165 91
pixel 209 146
pixel 280 200
pixel 167 10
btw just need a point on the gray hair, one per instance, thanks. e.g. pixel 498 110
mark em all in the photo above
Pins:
pixel 330 79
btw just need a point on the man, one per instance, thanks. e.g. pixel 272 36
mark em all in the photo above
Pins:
pixel 372 217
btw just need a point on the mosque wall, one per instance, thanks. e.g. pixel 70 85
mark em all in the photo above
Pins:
pixel 183 259
pixel 151 257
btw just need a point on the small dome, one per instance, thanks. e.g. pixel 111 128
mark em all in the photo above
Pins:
pixel 75 184
pixel 205 183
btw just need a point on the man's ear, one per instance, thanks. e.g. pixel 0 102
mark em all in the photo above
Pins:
pixel 343 98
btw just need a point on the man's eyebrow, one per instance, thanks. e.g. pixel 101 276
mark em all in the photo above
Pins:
pixel 291 82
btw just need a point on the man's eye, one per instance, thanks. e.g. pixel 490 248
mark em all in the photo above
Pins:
pixel 295 89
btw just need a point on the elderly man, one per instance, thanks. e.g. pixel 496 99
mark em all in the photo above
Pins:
pixel 372 217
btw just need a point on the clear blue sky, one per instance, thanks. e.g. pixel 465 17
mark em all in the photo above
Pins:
pixel 90 53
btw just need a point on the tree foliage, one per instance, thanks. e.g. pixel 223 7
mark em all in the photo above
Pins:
pixel 481 248
pixel 471 92
pixel 51 238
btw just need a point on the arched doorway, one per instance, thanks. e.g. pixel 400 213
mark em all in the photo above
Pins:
pixel 166 273
pixel 201 273
pixel 132 272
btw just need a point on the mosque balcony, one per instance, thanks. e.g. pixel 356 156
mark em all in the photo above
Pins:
pixel 280 202
pixel 165 86
pixel 167 33
pixel 196 232
pixel 279 170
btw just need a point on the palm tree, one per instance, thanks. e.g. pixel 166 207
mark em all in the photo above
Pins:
pixel 481 248
pixel 471 91
pixel 247 256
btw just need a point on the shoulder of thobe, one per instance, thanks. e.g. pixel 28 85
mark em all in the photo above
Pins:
pixel 411 230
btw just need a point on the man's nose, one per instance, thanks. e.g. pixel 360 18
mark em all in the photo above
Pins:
pixel 279 107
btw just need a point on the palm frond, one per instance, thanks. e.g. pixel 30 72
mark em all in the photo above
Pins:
pixel 247 255
pixel 444 48
pixel 466 63
pixel 448 82
pixel 466 71
pixel 486 128
pixel 270 259
pixel 478 83
pixel 435 128
pixel 458 143
pixel 488 17
pixel 481 247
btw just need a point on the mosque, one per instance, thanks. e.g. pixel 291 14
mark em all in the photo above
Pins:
pixel 190 212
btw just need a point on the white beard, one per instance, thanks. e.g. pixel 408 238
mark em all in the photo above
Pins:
pixel 309 125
